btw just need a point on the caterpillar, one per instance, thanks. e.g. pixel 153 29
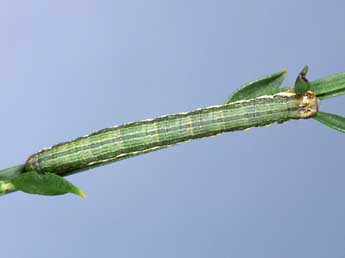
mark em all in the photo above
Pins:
pixel 127 140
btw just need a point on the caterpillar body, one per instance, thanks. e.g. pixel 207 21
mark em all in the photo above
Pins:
pixel 124 141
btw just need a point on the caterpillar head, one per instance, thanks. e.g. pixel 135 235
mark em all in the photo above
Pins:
pixel 309 105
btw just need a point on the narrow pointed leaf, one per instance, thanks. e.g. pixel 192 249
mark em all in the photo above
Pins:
pixel 330 86
pixel 331 120
pixel 267 85
pixel 45 184
pixel 301 84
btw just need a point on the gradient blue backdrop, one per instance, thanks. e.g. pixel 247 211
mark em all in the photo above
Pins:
pixel 71 67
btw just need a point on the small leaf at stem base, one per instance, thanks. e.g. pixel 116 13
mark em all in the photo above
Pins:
pixel 45 184
pixel 267 85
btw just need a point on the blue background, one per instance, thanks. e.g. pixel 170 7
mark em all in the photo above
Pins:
pixel 72 67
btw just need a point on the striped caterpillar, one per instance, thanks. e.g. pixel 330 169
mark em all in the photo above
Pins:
pixel 124 141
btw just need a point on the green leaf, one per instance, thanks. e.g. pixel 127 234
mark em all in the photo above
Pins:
pixel 330 86
pixel 301 84
pixel 45 184
pixel 331 120
pixel 267 85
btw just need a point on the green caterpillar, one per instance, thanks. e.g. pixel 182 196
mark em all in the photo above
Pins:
pixel 124 141
pixel 259 103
